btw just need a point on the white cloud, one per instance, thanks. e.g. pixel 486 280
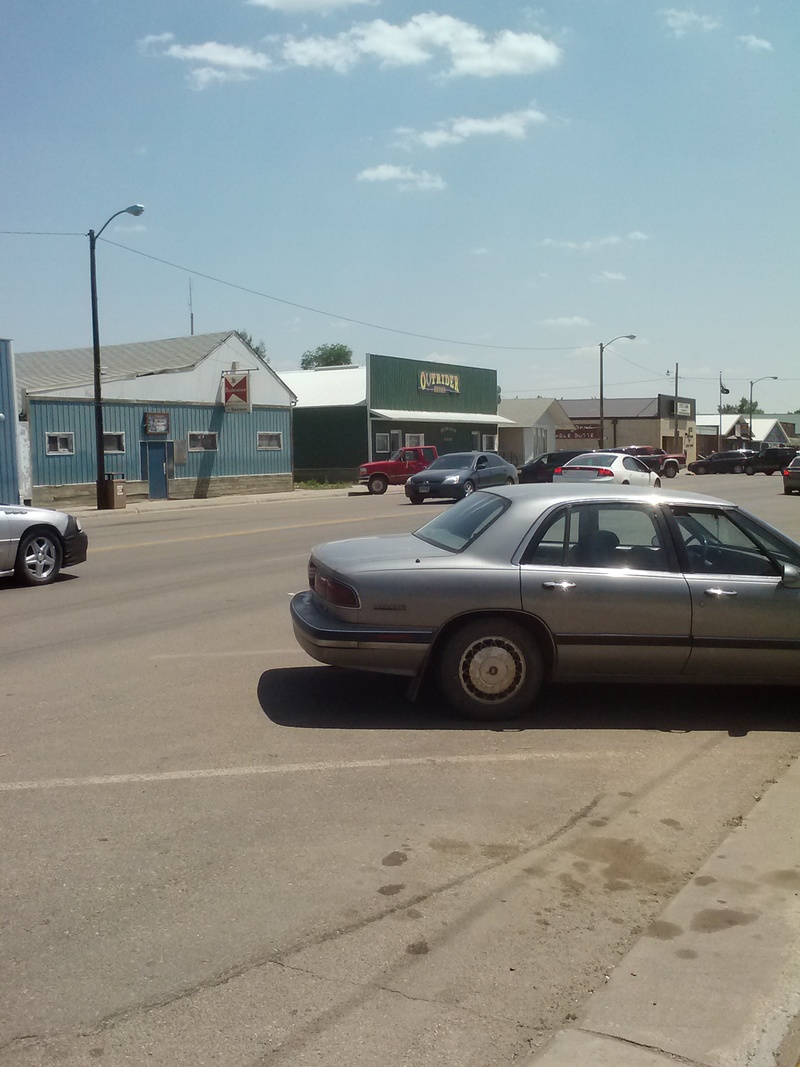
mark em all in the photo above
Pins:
pixel 292 7
pixel 214 63
pixel 611 276
pixel 414 43
pixel 479 252
pixel 513 124
pixel 571 320
pixel 683 22
pixel 756 44
pixel 591 245
pixel 405 177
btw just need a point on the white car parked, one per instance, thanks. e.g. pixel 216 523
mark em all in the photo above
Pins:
pixel 607 467
pixel 35 543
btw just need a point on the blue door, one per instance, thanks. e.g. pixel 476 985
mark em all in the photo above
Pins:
pixel 157 470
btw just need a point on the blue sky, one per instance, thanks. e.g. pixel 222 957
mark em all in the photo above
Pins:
pixel 490 184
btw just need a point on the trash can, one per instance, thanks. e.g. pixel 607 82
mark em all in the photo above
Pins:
pixel 114 490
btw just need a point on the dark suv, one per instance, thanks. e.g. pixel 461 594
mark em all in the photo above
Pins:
pixel 770 460
pixel 541 468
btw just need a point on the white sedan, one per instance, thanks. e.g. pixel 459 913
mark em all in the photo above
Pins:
pixel 607 467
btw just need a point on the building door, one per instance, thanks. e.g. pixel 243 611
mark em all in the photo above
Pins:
pixel 157 470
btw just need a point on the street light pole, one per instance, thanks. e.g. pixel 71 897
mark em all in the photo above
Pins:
pixel 772 378
pixel 603 347
pixel 102 503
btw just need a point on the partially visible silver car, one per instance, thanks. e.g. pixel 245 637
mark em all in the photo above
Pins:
pixel 520 585
pixel 36 543
pixel 791 477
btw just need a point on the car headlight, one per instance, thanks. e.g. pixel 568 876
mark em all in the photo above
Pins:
pixel 451 479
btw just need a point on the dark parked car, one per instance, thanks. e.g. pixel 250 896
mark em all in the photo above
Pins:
pixel 731 462
pixel 521 585
pixel 35 543
pixel 791 477
pixel 459 474
pixel 770 460
pixel 540 469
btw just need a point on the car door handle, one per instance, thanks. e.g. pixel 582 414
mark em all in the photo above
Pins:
pixel 558 585
pixel 720 592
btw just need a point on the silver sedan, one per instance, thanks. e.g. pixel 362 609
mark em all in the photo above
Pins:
pixel 35 543
pixel 520 585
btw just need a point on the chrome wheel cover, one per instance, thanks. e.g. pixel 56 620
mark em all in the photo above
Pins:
pixel 491 669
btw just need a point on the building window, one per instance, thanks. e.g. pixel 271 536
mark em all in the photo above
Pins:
pixel 490 442
pixel 60 444
pixel 381 442
pixel 113 442
pixel 269 442
pixel 476 441
pixel 414 440
pixel 202 442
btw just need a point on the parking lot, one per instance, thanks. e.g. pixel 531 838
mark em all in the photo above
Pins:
pixel 220 852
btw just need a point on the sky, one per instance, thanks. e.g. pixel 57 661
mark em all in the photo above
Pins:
pixel 484 184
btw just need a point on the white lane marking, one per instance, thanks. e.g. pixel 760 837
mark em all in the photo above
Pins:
pixel 295 768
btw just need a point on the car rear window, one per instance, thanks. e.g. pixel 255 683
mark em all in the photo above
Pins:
pixel 464 522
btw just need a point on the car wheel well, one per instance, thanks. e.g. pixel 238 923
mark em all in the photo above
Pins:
pixel 537 629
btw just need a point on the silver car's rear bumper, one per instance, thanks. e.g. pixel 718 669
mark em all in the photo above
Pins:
pixel 389 649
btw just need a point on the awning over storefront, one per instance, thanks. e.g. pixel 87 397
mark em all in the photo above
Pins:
pixel 440 416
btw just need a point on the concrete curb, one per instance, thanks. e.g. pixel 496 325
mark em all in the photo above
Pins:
pixel 715 981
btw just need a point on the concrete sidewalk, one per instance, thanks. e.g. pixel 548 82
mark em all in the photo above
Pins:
pixel 144 507
pixel 715 981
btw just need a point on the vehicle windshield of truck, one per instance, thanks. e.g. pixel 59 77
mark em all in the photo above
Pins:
pixel 398 455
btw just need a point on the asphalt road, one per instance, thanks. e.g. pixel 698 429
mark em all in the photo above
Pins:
pixel 217 852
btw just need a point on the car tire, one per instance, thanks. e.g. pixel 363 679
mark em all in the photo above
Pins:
pixel 670 471
pixel 657 483
pixel 490 669
pixel 787 492
pixel 769 473
pixel 38 558
pixel 738 468
pixel 701 469
pixel 509 480
pixel 749 470
pixel 378 484
pixel 469 487
pixel 415 498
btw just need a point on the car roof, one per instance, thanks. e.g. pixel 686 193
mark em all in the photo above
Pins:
pixel 546 494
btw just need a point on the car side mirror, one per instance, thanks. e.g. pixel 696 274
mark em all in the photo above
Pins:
pixel 790 576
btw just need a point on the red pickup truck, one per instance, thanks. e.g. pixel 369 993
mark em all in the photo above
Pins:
pixel 380 474
pixel 663 463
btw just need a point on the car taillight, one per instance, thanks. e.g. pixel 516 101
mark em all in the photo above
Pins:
pixel 558 470
pixel 604 472
pixel 786 473
pixel 335 592
pixel 312 574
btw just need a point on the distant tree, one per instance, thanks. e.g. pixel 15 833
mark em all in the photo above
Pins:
pixel 327 356
pixel 260 348
pixel 744 407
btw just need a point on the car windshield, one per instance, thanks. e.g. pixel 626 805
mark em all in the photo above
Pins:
pixel 463 523
pixel 458 461
pixel 593 459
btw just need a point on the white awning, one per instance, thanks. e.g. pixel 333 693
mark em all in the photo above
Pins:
pixel 440 416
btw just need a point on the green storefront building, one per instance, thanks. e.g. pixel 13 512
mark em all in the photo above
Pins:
pixel 347 415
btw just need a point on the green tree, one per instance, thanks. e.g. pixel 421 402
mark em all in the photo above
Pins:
pixel 744 407
pixel 327 356
pixel 259 348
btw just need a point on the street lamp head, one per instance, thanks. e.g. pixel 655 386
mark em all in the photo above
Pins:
pixel 630 336
pixel 134 209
